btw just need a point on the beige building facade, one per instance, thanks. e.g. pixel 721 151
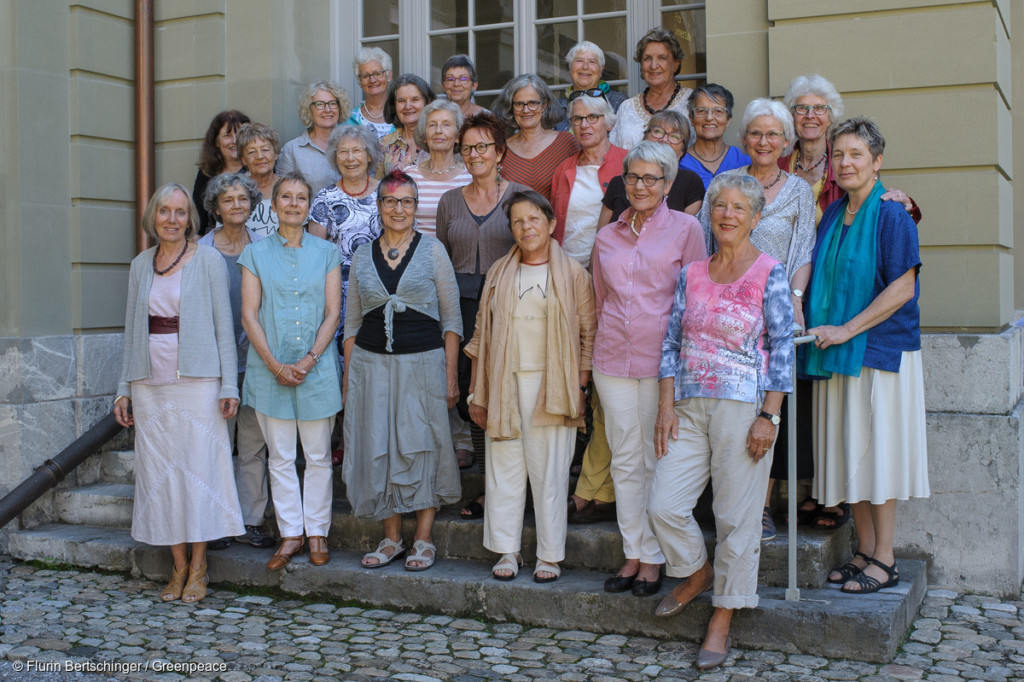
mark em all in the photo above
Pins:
pixel 67 214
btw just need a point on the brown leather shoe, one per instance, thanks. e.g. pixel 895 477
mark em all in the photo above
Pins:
pixel 318 554
pixel 289 548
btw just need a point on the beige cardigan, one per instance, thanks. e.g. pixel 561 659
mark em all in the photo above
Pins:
pixel 570 338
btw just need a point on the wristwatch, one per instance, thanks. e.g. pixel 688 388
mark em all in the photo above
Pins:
pixel 773 418
pixel 799 293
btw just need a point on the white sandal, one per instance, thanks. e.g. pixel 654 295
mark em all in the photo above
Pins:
pixel 424 552
pixel 398 549
pixel 547 567
pixel 507 562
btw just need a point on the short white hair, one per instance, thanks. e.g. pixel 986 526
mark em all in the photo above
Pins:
pixel 371 54
pixel 815 85
pixel 596 105
pixel 778 111
pixel 582 47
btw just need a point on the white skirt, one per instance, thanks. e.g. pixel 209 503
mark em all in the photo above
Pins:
pixel 870 435
pixel 184 483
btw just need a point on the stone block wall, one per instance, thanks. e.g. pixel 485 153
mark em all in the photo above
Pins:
pixel 52 390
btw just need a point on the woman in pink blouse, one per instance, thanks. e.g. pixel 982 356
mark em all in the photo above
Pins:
pixel 636 262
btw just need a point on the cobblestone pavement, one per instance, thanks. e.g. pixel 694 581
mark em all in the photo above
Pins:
pixel 69 624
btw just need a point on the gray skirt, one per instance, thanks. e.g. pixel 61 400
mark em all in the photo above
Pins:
pixel 398 446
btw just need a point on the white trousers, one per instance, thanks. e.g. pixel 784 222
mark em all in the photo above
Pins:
pixel 250 465
pixel 630 410
pixel 712 443
pixel 307 509
pixel 461 439
pixel 543 454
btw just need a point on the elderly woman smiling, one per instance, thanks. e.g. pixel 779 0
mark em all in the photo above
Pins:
pixel 726 362
pixel 531 364
pixel 373 71
pixel 407 96
pixel 869 415
pixel 586 65
pixel 710 110
pixel 458 78
pixel 321 107
pixel 259 147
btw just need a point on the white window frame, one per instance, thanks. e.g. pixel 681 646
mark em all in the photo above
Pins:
pixel 346 17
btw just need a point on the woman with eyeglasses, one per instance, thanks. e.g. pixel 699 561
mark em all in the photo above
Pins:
pixel 459 81
pixel 402 331
pixel 660 57
pixel 636 264
pixel 259 147
pixel 475 232
pixel 407 96
pixel 710 110
pixel 786 228
pixel 373 71
pixel 321 107
pixel 528 109
pixel 586 66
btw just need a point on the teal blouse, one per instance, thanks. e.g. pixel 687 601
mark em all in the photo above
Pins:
pixel 291 312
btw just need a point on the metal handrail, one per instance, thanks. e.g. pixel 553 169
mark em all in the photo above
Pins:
pixel 792 591
pixel 53 471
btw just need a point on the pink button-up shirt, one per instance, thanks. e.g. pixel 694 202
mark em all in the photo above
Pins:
pixel 634 284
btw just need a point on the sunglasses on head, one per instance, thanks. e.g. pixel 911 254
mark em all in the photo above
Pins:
pixel 592 92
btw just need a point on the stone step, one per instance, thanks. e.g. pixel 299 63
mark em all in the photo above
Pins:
pixel 825 622
pixel 108 466
pixel 596 546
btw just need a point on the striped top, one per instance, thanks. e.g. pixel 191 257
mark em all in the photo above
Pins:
pixel 430 191
pixel 536 173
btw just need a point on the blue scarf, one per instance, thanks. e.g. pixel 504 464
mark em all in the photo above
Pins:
pixel 842 285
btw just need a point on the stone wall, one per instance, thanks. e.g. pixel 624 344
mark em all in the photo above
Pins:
pixel 52 390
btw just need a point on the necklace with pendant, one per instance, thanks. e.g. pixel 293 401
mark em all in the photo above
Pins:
pixel 392 250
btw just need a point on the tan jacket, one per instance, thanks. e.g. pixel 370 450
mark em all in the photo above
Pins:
pixel 570 345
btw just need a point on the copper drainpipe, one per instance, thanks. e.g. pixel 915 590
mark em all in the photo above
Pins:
pixel 145 137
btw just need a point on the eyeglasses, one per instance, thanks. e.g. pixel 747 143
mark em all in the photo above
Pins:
pixel 390 202
pixel 480 147
pixel 713 112
pixel 772 135
pixel 804 109
pixel 320 106
pixel 590 92
pixel 649 180
pixel 592 119
pixel 372 76
pixel 353 151
pixel 532 105
pixel 661 134
pixel 452 80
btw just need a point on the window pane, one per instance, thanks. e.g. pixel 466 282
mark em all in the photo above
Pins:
pixel 689 28
pixel 553 43
pixel 548 9
pixel 495 57
pixel 594 6
pixel 380 18
pixel 389 46
pixel 493 11
pixel 609 36
pixel 446 13
pixel 442 47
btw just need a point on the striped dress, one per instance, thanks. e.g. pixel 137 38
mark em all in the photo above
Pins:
pixel 536 173
pixel 429 191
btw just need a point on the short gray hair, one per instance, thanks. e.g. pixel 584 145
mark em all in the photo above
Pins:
pixel 656 153
pixel 815 85
pixel 582 47
pixel 864 128
pixel 747 184
pixel 553 113
pixel 306 100
pixel 371 54
pixel 673 118
pixel 778 111
pixel 364 136
pixel 159 197
pixel 222 183
pixel 420 134
pixel 596 105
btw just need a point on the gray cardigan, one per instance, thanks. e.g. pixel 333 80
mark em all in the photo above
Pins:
pixel 206 336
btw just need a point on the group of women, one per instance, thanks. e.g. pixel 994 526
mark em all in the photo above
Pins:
pixel 461 281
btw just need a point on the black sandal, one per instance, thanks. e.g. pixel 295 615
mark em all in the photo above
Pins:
pixel 833 520
pixel 848 570
pixel 867 584
pixel 473 510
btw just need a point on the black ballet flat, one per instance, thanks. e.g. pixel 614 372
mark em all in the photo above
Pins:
pixel 619 583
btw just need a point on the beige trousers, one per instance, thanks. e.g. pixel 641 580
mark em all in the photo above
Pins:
pixel 595 481
pixel 712 444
